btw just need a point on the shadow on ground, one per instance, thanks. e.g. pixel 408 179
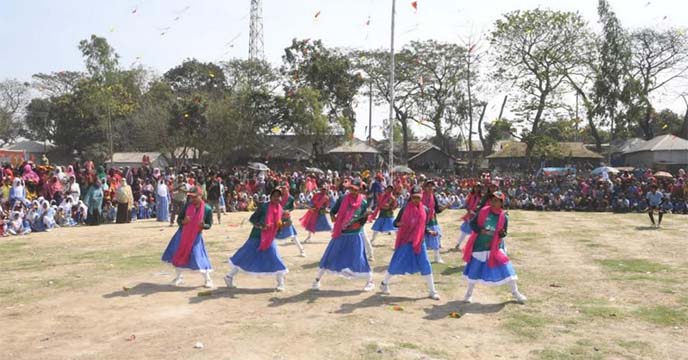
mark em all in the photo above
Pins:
pixel 438 312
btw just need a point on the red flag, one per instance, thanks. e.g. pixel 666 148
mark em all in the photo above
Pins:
pixel 415 5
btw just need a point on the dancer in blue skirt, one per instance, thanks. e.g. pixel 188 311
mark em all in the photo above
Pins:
pixel 433 240
pixel 486 260
pixel 259 255
pixel 410 255
pixel 186 250
pixel 386 203
pixel 345 254
pixel 288 230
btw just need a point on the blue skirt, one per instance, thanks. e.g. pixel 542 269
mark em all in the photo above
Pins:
pixel 466 228
pixel 434 242
pixel 162 208
pixel 322 224
pixel 286 233
pixel 198 260
pixel 405 261
pixel 143 213
pixel 384 224
pixel 252 261
pixel 346 256
pixel 478 271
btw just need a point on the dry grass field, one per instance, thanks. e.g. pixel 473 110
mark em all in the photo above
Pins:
pixel 600 286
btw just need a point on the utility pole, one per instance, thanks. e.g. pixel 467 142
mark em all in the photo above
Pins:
pixel 370 114
pixel 391 94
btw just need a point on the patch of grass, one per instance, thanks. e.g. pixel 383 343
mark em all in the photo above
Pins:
pixel 662 315
pixel 11 247
pixel 636 347
pixel 524 236
pixel 526 325
pixel 573 353
pixel 409 346
pixel 601 310
pixel 633 266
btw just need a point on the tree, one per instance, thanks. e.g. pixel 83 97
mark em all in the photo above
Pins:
pixel 442 102
pixel 659 57
pixel 58 83
pixel 100 58
pixel 407 86
pixel 613 65
pixel 500 129
pixel 39 121
pixel 310 64
pixel 536 50
pixel 193 77
pixel 14 96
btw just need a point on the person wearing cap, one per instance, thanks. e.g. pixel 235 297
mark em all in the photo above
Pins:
pixel 345 254
pixel 410 254
pixel 315 219
pixel 386 203
pixel 259 255
pixel 178 197
pixel 472 201
pixel 288 231
pixel 433 240
pixel 655 200
pixel 186 250
pixel 484 254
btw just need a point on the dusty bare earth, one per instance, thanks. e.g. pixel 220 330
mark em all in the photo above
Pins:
pixel 599 285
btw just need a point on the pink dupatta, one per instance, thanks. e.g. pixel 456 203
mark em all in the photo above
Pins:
pixel 347 209
pixel 497 257
pixel 189 233
pixel 272 219
pixel 412 229
pixel 382 200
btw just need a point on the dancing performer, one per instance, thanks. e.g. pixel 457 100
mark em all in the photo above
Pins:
pixel 433 240
pixel 655 200
pixel 484 254
pixel 315 219
pixel 345 254
pixel 410 254
pixel 259 255
pixel 386 203
pixel 288 230
pixel 472 201
pixel 186 250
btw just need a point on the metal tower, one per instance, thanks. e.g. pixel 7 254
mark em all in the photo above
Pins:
pixel 255 41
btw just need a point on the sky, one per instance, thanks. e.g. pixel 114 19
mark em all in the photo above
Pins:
pixel 42 35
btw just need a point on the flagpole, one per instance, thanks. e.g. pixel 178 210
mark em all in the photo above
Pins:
pixel 391 96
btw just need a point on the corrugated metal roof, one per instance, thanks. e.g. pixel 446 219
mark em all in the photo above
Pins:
pixel 661 143
pixel 354 146
pixel 567 149
pixel 134 157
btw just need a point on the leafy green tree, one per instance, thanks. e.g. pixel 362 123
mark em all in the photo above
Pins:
pixel 329 71
pixel 536 50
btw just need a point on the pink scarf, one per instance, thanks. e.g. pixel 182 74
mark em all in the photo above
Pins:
pixel 347 209
pixel 272 219
pixel 382 201
pixel 429 201
pixel 497 257
pixel 309 220
pixel 189 233
pixel 412 228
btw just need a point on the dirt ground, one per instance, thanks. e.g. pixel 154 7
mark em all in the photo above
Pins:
pixel 599 286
